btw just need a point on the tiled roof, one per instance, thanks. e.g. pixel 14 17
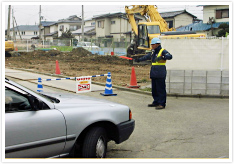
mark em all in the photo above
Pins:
pixel 26 28
pixel 175 13
pixel 114 15
pixel 47 23
pixel 86 29
pixel 200 26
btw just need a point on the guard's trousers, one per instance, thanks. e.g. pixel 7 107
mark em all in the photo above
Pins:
pixel 159 91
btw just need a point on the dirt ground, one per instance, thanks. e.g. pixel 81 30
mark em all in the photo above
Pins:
pixel 80 62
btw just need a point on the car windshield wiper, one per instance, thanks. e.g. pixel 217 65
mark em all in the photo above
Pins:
pixel 51 98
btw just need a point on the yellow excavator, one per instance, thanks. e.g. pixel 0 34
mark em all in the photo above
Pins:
pixel 9 47
pixel 155 26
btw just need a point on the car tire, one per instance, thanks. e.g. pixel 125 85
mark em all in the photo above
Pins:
pixel 95 143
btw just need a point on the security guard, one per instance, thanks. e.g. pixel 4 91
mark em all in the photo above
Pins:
pixel 158 72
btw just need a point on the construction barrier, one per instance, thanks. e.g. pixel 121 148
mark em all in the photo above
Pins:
pixel 108 88
pixel 83 83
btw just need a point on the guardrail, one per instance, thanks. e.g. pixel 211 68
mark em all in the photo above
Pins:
pixel 83 83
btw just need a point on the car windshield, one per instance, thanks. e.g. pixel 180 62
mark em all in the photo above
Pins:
pixel 89 44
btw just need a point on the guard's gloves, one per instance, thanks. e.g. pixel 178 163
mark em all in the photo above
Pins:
pixel 167 56
pixel 158 58
pixel 136 60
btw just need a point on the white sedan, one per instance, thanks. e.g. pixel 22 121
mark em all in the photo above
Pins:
pixel 59 125
pixel 88 46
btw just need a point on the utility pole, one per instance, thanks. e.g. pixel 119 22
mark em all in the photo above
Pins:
pixel 14 38
pixel 9 20
pixel 40 23
pixel 82 23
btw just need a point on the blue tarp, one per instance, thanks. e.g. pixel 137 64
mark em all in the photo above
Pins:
pixel 98 52
pixel 200 26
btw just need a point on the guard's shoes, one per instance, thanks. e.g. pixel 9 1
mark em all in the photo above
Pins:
pixel 152 105
pixel 160 107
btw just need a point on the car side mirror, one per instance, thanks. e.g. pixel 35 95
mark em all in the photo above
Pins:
pixel 35 103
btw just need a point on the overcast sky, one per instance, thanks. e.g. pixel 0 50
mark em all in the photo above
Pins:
pixel 28 13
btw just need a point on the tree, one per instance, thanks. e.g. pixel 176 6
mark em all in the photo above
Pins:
pixel 66 34
pixel 224 29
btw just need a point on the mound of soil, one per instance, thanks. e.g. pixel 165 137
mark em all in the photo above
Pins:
pixel 79 62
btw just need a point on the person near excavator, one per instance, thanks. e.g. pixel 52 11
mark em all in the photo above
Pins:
pixel 158 72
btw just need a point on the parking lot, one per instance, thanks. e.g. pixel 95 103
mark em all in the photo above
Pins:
pixel 187 128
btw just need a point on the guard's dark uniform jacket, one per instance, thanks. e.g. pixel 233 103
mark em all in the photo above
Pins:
pixel 158 73
pixel 158 69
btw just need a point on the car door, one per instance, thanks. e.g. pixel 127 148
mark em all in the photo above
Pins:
pixel 31 133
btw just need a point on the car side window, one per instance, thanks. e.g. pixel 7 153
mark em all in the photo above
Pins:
pixel 15 102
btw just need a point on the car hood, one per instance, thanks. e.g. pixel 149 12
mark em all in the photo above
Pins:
pixel 74 100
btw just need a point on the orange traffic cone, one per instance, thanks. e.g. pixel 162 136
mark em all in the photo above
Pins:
pixel 57 71
pixel 16 49
pixel 133 81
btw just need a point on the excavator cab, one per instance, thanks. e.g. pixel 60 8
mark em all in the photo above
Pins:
pixel 146 32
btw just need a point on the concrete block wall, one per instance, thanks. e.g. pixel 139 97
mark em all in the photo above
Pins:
pixel 197 82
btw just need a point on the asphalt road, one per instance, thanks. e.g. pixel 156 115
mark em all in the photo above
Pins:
pixel 189 128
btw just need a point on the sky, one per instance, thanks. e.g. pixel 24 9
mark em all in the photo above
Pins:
pixel 28 13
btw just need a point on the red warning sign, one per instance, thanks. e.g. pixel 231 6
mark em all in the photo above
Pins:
pixel 83 87
pixel 83 84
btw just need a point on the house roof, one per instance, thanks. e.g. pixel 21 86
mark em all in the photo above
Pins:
pixel 70 19
pixel 200 26
pixel 47 23
pixel 26 28
pixel 113 15
pixel 109 15
pixel 175 13
pixel 87 29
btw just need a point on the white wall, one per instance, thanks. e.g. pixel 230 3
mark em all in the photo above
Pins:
pixel 27 35
pixel 66 27
pixel 197 54
pixel 183 20
pixel 53 28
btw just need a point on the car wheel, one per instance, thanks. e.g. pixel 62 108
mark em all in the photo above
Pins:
pixel 95 143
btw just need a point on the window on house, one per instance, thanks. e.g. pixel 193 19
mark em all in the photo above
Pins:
pixel 112 22
pixel 222 13
pixel 22 32
pixel 73 28
pixel 61 28
pixel 170 24
pixel 93 24
pixel 35 32
pixel 101 24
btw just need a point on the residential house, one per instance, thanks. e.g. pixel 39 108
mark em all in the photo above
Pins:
pixel 177 19
pixel 24 32
pixel 213 16
pixel 48 30
pixel 72 23
pixel 89 31
pixel 53 30
pixel 114 25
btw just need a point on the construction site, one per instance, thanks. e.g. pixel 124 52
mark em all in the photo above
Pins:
pixel 190 72
pixel 186 63
pixel 78 62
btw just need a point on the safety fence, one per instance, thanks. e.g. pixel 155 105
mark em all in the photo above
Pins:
pixel 102 46
pixel 83 84
pixel 198 82
pixel 108 46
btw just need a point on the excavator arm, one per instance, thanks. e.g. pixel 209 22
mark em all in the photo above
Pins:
pixel 151 14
